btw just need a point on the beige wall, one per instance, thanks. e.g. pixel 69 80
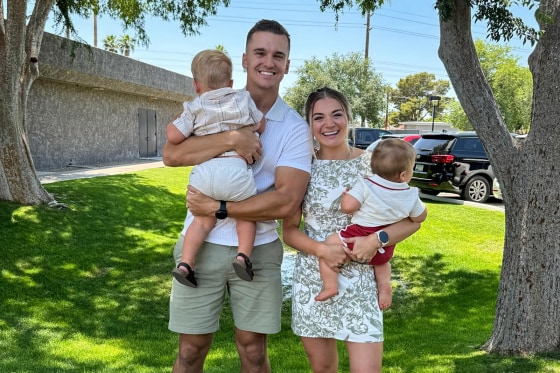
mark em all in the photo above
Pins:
pixel 83 111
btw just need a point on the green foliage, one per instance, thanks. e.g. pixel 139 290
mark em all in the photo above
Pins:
pixel 221 48
pixel 411 97
pixel 133 13
pixel 511 84
pixel 456 115
pixel 110 43
pixel 126 44
pixel 338 6
pixel 87 289
pixel 352 75
pixel 502 24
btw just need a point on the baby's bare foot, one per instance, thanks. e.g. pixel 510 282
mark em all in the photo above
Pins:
pixel 385 295
pixel 326 294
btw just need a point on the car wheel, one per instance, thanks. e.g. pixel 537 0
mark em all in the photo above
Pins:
pixel 477 189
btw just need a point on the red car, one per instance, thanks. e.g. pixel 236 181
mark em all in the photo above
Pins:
pixel 408 137
pixel 412 138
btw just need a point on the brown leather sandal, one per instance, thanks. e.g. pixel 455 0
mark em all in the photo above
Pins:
pixel 185 277
pixel 245 272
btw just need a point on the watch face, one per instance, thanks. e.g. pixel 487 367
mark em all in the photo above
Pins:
pixel 221 214
pixel 383 237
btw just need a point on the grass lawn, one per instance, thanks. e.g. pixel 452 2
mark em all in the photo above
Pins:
pixel 86 289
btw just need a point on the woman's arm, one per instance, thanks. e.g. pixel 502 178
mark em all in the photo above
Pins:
pixel 332 254
pixel 366 247
pixel 197 149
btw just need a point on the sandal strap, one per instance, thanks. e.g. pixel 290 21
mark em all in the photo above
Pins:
pixel 186 265
pixel 246 259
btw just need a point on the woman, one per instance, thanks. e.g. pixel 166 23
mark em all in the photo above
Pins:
pixel 353 316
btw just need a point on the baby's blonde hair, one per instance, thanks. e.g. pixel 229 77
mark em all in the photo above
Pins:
pixel 391 157
pixel 212 68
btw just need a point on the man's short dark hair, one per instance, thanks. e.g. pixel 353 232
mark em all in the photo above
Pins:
pixel 268 25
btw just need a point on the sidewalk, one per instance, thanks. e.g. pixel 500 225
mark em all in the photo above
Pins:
pixel 71 173
pixel 456 200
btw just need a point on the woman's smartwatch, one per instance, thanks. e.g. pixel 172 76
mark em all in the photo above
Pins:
pixel 383 238
pixel 222 211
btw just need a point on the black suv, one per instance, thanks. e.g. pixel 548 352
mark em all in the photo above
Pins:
pixel 361 137
pixel 453 162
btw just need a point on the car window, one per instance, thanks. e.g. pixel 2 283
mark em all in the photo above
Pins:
pixel 366 136
pixel 469 147
pixel 413 141
pixel 432 145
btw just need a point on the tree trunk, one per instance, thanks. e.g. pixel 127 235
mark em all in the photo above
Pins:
pixel 528 304
pixel 528 307
pixel 18 180
pixel 19 50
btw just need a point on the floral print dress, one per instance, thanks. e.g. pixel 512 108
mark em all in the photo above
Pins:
pixel 353 315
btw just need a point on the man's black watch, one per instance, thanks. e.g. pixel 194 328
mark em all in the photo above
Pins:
pixel 222 212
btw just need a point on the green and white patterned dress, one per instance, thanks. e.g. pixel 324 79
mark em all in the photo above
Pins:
pixel 352 315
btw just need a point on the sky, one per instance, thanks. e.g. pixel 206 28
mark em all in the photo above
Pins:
pixel 403 37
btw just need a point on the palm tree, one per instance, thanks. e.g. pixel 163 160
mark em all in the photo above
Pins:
pixel 110 43
pixel 126 44
pixel 221 48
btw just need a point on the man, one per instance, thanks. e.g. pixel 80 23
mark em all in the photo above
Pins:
pixel 281 167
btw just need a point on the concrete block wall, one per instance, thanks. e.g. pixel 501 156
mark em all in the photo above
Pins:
pixel 83 110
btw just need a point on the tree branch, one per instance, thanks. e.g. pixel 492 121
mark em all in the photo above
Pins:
pixel 545 66
pixel 2 24
pixel 458 54
pixel 36 27
pixel 15 29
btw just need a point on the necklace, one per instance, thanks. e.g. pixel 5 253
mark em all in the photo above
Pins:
pixel 348 156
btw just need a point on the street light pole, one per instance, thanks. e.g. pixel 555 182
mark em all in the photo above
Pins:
pixel 432 99
pixel 387 109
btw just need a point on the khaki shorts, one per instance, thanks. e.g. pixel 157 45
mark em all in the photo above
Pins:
pixel 255 305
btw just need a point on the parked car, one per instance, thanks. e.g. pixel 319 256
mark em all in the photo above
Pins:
pixel 496 191
pixel 361 137
pixel 453 162
pixel 408 137
pixel 374 144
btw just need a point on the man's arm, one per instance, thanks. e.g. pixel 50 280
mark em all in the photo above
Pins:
pixel 284 201
pixel 197 149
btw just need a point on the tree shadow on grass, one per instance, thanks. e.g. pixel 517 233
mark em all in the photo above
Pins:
pixel 97 274
pixel 435 307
